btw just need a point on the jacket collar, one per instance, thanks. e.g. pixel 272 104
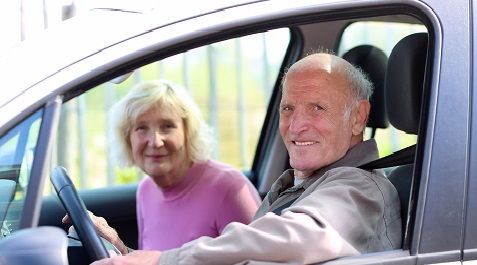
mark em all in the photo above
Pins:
pixel 359 154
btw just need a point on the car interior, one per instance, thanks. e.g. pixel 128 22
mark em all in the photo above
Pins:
pixel 399 77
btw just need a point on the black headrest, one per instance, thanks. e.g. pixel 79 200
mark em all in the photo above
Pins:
pixel 404 82
pixel 373 62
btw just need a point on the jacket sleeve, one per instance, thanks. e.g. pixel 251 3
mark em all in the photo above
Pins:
pixel 292 238
pixel 301 235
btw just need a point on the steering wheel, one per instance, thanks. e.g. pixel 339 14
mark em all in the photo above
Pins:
pixel 78 214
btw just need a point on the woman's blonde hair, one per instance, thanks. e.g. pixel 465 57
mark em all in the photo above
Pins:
pixel 143 97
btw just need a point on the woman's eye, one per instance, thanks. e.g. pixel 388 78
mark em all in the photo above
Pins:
pixel 168 126
pixel 140 128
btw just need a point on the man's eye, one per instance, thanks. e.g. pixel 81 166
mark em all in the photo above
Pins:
pixel 318 108
pixel 287 108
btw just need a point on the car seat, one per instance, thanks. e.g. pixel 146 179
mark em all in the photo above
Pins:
pixel 373 62
pixel 403 96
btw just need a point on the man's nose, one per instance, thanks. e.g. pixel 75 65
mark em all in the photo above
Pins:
pixel 299 122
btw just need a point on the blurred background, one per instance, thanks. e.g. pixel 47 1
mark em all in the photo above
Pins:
pixel 23 19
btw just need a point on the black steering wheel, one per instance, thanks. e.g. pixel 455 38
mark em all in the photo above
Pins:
pixel 78 214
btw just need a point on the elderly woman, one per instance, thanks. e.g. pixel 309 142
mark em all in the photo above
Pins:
pixel 186 195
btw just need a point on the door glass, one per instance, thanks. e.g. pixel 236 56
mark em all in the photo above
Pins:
pixel 17 148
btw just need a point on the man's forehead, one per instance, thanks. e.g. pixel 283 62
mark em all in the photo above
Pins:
pixel 305 97
pixel 323 62
pixel 315 83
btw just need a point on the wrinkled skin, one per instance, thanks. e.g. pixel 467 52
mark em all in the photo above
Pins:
pixel 319 120
pixel 104 230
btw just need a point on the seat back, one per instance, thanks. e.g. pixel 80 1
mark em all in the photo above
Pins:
pixel 403 96
pixel 373 62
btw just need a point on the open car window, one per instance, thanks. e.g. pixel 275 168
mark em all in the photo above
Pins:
pixel 231 81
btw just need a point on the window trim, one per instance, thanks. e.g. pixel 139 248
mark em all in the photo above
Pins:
pixel 41 162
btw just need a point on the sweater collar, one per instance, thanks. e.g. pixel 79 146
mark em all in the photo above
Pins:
pixel 191 177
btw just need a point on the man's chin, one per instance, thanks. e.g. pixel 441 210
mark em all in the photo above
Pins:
pixel 303 169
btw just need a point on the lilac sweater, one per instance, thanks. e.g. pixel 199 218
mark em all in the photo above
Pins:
pixel 209 196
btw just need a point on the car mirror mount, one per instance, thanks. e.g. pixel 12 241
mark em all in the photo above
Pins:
pixel 121 78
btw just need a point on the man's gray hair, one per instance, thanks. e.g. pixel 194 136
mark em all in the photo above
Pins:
pixel 359 84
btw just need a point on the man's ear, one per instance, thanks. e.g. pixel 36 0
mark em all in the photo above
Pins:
pixel 361 113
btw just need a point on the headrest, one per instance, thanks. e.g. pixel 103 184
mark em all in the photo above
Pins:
pixel 404 82
pixel 373 62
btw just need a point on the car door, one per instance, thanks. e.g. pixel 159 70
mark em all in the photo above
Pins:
pixel 434 234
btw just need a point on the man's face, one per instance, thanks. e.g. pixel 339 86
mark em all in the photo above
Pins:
pixel 313 123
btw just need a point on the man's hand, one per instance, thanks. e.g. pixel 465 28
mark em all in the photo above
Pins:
pixel 104 230
pixel 137 257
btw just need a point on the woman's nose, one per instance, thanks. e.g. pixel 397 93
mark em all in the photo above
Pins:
pixel 155 139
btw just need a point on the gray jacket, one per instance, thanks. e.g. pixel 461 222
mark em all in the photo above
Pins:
pixel 340 210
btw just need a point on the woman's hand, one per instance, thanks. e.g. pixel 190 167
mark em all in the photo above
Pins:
pixel 104 230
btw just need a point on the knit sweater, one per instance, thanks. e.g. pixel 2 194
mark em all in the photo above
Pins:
pixel 202 203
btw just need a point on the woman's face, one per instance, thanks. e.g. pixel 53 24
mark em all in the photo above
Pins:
pixel 159 146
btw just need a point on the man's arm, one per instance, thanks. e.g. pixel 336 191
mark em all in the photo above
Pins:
pixel 315 229
pixel 336 218
pixel 291 238
pixel 284 239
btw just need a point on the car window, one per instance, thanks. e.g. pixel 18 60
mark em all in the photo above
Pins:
pixel 231 81
pixel 17 148
pixel 383 35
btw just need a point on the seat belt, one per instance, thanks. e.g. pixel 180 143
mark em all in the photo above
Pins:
pixel 400 157
pixel 278 211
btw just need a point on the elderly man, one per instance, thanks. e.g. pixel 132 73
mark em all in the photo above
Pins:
pixel 325 207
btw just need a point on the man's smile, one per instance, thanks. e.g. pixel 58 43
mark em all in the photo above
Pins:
pixel 304 143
